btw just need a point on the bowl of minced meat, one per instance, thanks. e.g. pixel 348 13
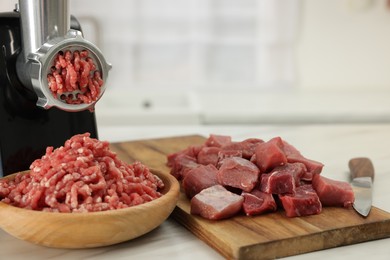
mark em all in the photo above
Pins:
pixel 82 195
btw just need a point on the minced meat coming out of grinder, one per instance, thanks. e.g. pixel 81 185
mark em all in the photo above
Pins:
pixel 75 72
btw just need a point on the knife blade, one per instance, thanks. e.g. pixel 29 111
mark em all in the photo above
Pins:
pixel 362 173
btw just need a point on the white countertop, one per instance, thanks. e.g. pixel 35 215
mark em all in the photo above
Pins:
pixel 227 106
pixel 333 145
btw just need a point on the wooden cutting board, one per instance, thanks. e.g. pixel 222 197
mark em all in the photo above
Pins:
pixel 266 236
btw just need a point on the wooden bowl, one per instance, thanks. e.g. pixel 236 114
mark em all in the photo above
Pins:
pixel 93 229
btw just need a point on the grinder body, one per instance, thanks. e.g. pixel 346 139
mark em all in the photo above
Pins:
pixel 26 129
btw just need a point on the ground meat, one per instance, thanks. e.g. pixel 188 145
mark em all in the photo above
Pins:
pixel 75 72
pixel 81 176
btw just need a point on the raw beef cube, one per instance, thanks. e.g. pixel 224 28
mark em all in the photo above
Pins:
pixel 253 159
pixel 303 203
pixel 282 179
pixel 333 193
pixel 257 202
pixel 313 167
pixel 216 203
pixel 198 179
pixel 277 182
pixel 218 140
pixel 191 151
pixel 239 173
pixel 270 154
pixel 293 155
pixel 208 155
pixel 298 170
pixel 246 147
pixel 182 164
pixel 223 154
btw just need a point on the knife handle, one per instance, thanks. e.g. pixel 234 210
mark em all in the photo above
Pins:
pixel 361 167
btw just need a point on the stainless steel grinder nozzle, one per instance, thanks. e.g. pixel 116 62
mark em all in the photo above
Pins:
pixel 46 33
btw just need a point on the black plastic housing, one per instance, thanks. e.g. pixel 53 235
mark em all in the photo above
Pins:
pixel 25 129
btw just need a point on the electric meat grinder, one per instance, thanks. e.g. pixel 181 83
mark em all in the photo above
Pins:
pixel 32 117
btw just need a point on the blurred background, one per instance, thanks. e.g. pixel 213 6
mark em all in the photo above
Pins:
pixel 240 62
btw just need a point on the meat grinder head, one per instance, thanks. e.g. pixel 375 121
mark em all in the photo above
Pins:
pixel 46 33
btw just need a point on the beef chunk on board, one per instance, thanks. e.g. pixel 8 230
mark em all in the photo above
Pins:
pixel 257 202
pixel 239 173
pixel 333 193
pixel 208 155
pixel 218 140
pixel 303 202
pixel 282 179
pixel 182 164
pixel 246 147
pixel 293 155
pixel 270 154
pixel 277 152
pixel 216 203
pixel 223 154
pixel 191 151
pixel 198 179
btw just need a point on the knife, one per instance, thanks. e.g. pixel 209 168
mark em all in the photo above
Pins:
pixel 362 173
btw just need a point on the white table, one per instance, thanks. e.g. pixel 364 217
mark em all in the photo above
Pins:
pixel 333 145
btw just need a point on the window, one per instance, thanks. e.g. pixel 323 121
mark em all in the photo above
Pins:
pixel 194 43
